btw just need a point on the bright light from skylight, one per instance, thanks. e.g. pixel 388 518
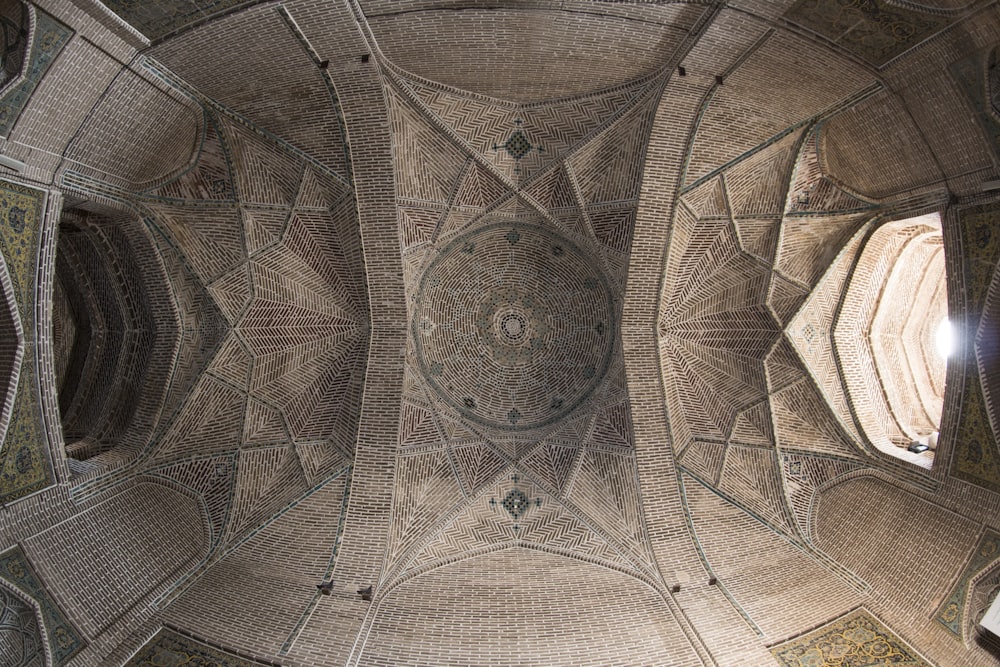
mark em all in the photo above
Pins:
pixel 944 339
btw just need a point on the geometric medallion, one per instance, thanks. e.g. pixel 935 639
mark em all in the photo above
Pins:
pixel 516 503
pixel 514 326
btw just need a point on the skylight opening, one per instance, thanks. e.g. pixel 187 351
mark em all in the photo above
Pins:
pixel 909 338
pixel 944 339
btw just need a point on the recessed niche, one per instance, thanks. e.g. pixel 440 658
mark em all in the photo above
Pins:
pixel 897 303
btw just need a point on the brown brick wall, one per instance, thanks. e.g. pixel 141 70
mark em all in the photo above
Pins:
pixel 732 455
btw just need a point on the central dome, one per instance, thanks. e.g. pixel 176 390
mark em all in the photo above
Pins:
pixel 514 326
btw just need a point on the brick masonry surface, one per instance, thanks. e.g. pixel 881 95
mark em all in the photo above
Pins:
pixel 412 332
pixel 64 640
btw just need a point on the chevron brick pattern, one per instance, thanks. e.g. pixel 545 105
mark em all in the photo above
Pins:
pixel 458 175
pixel 745 339
pixel 263 253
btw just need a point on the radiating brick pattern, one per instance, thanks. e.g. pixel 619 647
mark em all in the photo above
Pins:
pixel 264 261
pixel 716 328
pixel 201 324
pixel 536 299
pixel 299 417
pixel 515 429
pixel 712 290
pixel 764 258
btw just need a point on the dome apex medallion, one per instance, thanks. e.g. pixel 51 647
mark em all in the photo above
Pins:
pixel 515 325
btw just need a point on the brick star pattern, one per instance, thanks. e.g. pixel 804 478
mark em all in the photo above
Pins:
pixel 262 250
pixel 742 330
pixel 516 426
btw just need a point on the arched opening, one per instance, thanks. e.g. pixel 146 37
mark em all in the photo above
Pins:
pixel 111 335
pixel 894 337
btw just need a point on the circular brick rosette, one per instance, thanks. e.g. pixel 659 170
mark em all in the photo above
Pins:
pixel 514 326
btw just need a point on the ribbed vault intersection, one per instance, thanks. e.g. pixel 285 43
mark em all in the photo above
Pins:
pixel 515 429
pixel 534 318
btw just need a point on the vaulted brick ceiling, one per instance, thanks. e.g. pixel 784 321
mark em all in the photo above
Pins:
pixel 483 304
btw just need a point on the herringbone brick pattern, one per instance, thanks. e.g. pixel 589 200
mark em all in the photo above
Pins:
pixel 574 354
pixel 747 353
pixel 479 180
pixel 263 253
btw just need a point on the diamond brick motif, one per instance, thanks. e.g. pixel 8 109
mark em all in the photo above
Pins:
pixel 518 145
pixel 516 503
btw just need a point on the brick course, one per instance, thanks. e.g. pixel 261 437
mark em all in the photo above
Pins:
pixel 255 213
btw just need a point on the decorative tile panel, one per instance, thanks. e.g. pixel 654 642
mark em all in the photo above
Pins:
pixel 951 613
pixel 14 27
pixel 25 465
pixel 977 457
pixel 977 77
pixel 64 639
pixel 857 639
pixel 171 648
pixel 159 19
pixel 50 36
pixel 21 210
pixel 873 29
pixel 20 638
